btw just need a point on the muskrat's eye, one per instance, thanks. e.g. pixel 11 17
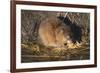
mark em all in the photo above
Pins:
pixel 65 44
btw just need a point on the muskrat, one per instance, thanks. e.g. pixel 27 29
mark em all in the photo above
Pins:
pixel 53 32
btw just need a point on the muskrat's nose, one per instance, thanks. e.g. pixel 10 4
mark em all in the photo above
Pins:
pixel 65 44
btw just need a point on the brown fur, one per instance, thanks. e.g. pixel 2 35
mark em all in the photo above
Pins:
pixel 53 32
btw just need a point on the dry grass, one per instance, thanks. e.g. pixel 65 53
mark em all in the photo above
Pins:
pixel 38 53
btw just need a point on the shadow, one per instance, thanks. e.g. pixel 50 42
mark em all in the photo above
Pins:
pixel 75 29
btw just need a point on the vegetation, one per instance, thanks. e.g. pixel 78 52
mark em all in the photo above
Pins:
pixel 32 50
